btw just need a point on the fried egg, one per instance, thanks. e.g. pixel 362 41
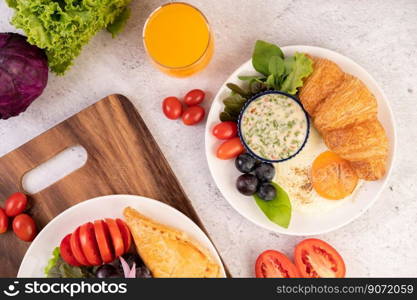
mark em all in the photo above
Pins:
pixel 295 177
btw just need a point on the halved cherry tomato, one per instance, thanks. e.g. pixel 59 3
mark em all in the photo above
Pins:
pixel 126 236
pixel 230 149
pixel 193 115
pixel 15 204
pixel 89 244
pixel 66 252
pixel 104 242
pixel 116 237
pixel 77 249
pixel 194 97
pixel 274 264
pixel 315 258
pixel 4 221
pixel 225 130
pixel 24 227
pixel 172 108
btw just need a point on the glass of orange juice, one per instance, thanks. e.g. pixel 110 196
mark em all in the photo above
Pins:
pixel 178 39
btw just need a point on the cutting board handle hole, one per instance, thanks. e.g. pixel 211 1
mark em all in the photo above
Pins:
pixel 54 169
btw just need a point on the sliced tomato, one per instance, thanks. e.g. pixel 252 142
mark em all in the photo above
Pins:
pixel 116 237
pixel 126 236
pixel 104 242
pixel 66 252
pixel 89 244
pixel 76 248
pixel 317 259
pixel 274 264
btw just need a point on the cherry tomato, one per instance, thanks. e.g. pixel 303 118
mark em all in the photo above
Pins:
pixel 66 252
pixel 126 236
pixel 24 227
pixel 274 264
pixel 104 241
pixel 225 130
pixel 15 204
pixel 4 221
pixel 77 249
pixel 193 115
pixel 230 149
pixel 172 108
pixel 194 97
pixel 315 258
pixel 116 237
pixel 89 244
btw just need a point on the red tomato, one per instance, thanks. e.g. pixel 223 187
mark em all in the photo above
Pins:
pixel 24 227
pixel 193 115
pixel 77 249
pixel 274 264
pixel 230 149
pixel 126 236
pixel 89 244
pixel 15 204
pixel 104 241
pixel 225 130
pixel 66 252
pixel 172 108
pixel 116 237
pixel 317 259
pixel 194 97
pixel 4 221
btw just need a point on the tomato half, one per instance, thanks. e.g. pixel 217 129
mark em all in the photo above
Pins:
pixel 172 108
pixel 116 237
pixel 24 227
pixel 194 97
pixel 274 264
pixel 89 244
pixel 225 130
pixel 317 259
pixel 76 248
pixel 230 149
pixel 193 115
pixel 126 236
pixel 4 221
pixel 66 252
pixel 15 204
pixel 103 237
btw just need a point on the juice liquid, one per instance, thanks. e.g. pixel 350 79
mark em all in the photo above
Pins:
pixel 178 39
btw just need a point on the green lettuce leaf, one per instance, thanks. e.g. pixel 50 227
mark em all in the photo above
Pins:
pixel 63 27
pixel 297 68
pixel 278 210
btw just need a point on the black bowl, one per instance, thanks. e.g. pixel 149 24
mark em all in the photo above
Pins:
pixel 242 112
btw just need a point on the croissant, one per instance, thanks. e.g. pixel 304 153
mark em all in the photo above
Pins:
pixel 344 111
pixel 365 145
pixel 326 77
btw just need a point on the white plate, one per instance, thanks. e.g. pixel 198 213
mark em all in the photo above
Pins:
pixel 225 173
pixel 40 251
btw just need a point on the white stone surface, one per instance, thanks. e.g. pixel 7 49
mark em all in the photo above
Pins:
pixel 379 35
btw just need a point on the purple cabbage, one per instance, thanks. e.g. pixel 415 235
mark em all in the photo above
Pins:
pixel 23 74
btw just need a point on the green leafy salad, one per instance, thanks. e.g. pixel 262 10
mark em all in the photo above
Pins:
pixel 63 27
pixel 276 72
pixel 58 268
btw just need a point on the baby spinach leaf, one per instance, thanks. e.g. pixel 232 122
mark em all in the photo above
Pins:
pixel 276 66
pixel 249 78
pixel 270 81
pixel 262 54
pixel 277 210
pixel 302 66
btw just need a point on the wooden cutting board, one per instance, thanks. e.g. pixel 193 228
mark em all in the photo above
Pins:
pixel 123 158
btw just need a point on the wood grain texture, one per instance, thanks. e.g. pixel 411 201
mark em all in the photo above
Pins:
pixel 123 158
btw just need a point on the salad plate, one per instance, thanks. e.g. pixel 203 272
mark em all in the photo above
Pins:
pixel 224 172
pixel 112 206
